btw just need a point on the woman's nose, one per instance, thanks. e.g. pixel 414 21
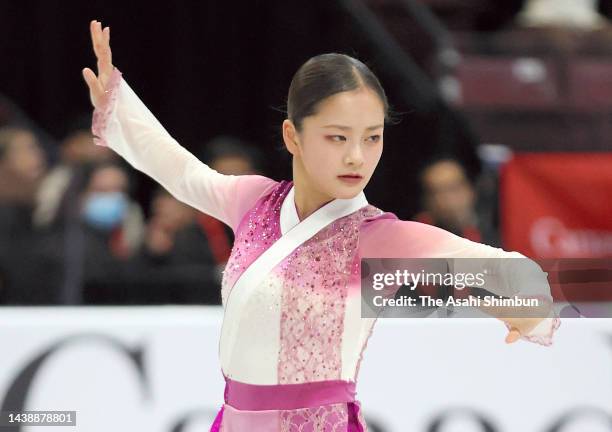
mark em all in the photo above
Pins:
pixel 354 155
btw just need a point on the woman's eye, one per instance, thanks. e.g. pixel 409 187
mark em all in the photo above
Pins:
pixel 374 138
pixel 337 138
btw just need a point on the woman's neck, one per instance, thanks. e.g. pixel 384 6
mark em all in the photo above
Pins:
pixel 306 204
pixel 307 200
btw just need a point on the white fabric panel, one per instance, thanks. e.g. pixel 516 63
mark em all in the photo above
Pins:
pixel 247 351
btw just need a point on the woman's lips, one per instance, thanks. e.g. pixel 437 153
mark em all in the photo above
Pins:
pixel 351 179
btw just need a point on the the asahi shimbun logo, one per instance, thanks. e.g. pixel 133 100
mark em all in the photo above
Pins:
pixel 550 238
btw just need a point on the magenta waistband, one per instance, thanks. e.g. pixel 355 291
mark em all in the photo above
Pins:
pixel 255 397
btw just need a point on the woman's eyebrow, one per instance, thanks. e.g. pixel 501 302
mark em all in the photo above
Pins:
pixel 349 128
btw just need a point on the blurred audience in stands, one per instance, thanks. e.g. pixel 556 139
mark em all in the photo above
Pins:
pixel 175 263
pixel 231 156
pixel 76 150
pixel 101 229
pixel 185 251
pixel 449 201
pixel 22 168
pixel 74 235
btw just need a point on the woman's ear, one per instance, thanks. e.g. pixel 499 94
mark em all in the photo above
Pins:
pixel 290 137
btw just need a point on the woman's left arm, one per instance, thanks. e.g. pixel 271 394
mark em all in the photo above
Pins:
pixel 515 274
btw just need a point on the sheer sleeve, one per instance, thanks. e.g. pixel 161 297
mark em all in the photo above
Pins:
pixel 123 123
pixel 393 238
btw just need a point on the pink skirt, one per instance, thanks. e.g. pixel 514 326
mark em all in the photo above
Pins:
pixel 322 406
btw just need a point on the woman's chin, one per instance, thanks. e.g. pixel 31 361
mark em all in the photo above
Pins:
pixel 348 192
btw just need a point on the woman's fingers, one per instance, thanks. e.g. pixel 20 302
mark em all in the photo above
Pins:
pixel 513 335
pixel 101 44
pixel 100 40
pixel 104 58
pixel 96 91
pixel 92 80
pixel 93 29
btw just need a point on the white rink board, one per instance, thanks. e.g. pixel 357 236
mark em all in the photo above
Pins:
pixel 151 368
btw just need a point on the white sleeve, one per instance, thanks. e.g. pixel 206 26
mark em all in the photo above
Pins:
pixel 513 274
pixel 125 124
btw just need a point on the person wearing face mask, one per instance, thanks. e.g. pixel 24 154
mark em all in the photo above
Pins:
pixel 107 209
pixel 101 229
pixel 113 229
pixel 75 152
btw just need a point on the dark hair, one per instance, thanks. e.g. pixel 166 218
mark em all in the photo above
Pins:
pixel 87 170
pixel 434 160
pixel 79 123
pixel 230 146
pixel 323 76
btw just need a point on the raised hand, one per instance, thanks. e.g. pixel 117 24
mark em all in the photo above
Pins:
pixel 100 39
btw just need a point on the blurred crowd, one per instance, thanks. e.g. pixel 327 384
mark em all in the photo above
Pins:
pixel 72 231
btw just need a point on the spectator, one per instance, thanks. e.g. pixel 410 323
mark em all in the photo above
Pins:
pixel 449 201
pixel 101 231
pixel 175 263
pixel 22 165
pixel 23 272
pixel 232 156
pixel 108 210
pixel 77 149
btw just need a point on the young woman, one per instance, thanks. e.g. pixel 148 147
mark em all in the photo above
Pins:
pixel 292 337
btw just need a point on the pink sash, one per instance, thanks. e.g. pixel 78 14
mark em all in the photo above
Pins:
pixel 253 397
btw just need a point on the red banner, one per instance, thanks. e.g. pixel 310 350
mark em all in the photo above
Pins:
pixel 558 205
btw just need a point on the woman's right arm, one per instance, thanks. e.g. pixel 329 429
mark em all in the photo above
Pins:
pixel 122 122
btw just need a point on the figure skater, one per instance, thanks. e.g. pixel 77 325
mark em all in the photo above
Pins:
pixel 292 337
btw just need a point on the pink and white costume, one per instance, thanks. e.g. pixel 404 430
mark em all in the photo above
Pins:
pixel 292 337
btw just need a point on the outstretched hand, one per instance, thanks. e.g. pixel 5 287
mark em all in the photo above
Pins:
pixel 521 320
pixel 100 39
pixel 513 335
pixel 520 327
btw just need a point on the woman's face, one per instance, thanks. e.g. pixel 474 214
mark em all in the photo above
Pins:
pixel 344 137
